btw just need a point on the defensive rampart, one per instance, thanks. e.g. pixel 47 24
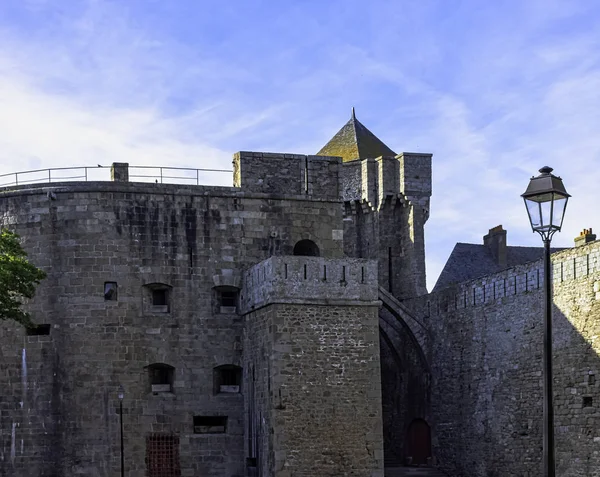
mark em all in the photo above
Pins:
pixel 487 341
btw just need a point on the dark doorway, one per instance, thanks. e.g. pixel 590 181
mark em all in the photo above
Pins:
pixel 307 248
pixel 418 442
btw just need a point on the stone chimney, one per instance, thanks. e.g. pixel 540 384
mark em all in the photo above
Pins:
pixel 495 241
pixel 585 236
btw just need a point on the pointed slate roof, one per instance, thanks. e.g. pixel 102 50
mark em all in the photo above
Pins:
pixel 355 141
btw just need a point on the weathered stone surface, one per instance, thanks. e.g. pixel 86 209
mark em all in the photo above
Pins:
pixel 305 334
pixel 487 393
pixel 315 390
pixel 61 390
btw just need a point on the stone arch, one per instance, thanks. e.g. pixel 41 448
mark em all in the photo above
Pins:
pixel 306 248
pixel 415 329
pixel 405 375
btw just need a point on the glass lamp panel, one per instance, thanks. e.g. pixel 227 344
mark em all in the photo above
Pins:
pixel 558 212
pixel 534 211
pixel 546 213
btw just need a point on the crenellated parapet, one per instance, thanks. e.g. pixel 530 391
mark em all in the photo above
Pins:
pixel 579 263
pixel 309 280
pixel 406 177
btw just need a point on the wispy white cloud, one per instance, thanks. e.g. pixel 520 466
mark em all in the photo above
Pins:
pixel 494 90
pixel 104 95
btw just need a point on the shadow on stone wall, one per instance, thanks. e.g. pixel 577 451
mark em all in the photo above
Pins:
pixel 405 386
pixel 487 387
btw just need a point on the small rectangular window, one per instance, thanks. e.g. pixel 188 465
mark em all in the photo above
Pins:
pixel 210 424
pixel 161 378
pixel 228 298
pixel 227 379
pixel 591 379
pixel 159 297
pixel 160 375
pixel 588 401
pixel 38 330
pixel 110 291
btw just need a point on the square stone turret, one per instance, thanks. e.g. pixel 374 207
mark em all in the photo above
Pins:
pixel 311 351
pixel 386 199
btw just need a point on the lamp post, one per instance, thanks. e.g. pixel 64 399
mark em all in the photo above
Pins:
pixel 121 396
pixel 546 202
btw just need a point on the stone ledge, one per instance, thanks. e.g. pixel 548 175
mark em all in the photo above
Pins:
pixel 149 188
pixel 313 302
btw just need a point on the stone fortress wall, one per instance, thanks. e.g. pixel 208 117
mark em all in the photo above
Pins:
pixel 486 356
pixel 301 372
pixel 474 374
pixel 186 245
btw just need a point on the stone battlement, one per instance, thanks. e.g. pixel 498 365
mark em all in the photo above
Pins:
pixel 372 180
pixel 294 279
pixel 567 265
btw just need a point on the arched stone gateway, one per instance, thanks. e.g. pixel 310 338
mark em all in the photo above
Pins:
pixel 405 377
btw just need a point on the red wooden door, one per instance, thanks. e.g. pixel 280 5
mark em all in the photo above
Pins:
pixel 419 442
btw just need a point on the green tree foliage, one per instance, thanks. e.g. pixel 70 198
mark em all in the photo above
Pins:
pixel 18 278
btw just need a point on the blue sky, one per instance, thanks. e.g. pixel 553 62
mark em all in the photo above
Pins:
pixel 494 89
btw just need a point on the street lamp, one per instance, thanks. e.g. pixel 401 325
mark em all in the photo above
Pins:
pixel 121 396
pixel 546 201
